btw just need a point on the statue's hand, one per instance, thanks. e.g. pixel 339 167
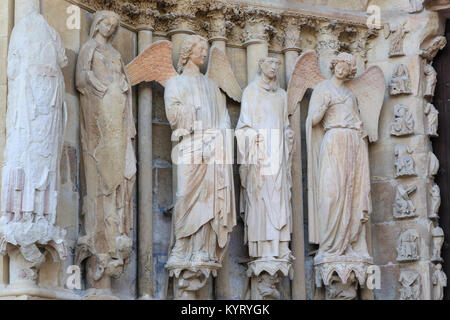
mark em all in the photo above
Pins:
pixel 326 101
pixel 365 217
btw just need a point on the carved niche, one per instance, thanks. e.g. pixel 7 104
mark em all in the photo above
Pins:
pixel 404 163
pixel 403 123
pixel 407 246
pixel 410 285
pixel 403 205
pixel 401 81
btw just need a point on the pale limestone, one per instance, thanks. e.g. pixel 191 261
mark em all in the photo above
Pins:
pixel 108 158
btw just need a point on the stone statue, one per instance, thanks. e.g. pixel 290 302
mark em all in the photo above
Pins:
pixel 432 117
pixel 107 132
pixel 265 150
pixel 204 213
pixel 403 205
pixel 410 285
pixel 35 124
pixel 404 162
pixel 343 116
pixel 430 81
pixel 439 281
pixel 399 32
pixel 400 82
pixel 433 165
pixel 430 48
pixel 438 240
pixel 435 195
pixel 407 247
pixel 403 121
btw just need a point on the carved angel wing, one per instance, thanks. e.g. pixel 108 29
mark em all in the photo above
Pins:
pixel 154 63
pixel 369 88
pixel 220 71
pixel 306 75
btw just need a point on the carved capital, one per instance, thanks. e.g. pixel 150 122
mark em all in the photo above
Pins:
pixel 257 29
pixel 328 36
pixel 217 25
pixel 292 33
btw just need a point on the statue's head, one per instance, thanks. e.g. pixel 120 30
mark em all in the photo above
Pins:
pixel 344 66
pixel 105 23
pixel 269 67
pixel 195 49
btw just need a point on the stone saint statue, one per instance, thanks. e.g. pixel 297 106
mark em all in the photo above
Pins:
pixel 341 121
pixel 204 213
pixel 265 142
pixel 107 130
pixel 35 125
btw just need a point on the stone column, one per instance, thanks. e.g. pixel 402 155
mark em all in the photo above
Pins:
pixel 256 40
pixel 328 45
pixel 145 178
pixel 291 52
pixel 218 31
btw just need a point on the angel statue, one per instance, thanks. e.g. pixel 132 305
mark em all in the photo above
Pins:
pixel 266 174
pixel 342 118
pixel 204 213
pixel 107 130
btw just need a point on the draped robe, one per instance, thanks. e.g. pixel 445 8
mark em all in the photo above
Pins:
pixel 107 130
pixel 204 210
pixel 265 171
pixel 35 120
pixel 338 174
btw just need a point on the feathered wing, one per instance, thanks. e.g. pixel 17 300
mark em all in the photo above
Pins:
pixel 369 89
pixel 306 75
pixel 220 71
pixel 154 63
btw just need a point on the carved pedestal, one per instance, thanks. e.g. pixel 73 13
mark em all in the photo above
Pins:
pixel 189 280
pixel 265 275
pixel 341 276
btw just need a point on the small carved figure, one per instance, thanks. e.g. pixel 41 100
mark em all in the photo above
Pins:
pixel 435 194
pixel 430 49
pixel 411 285
pixel 403 121
pixel 399 31
pixel 430 81
pixel 432 117
pixel 438 240
pixel 400 82
pixel 403 205
pixel 337 290
pixel 407 247
pixel 439 281
pixel 433 165
pixel 404 162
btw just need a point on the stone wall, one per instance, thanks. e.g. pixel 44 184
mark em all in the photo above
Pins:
pixel 286 27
